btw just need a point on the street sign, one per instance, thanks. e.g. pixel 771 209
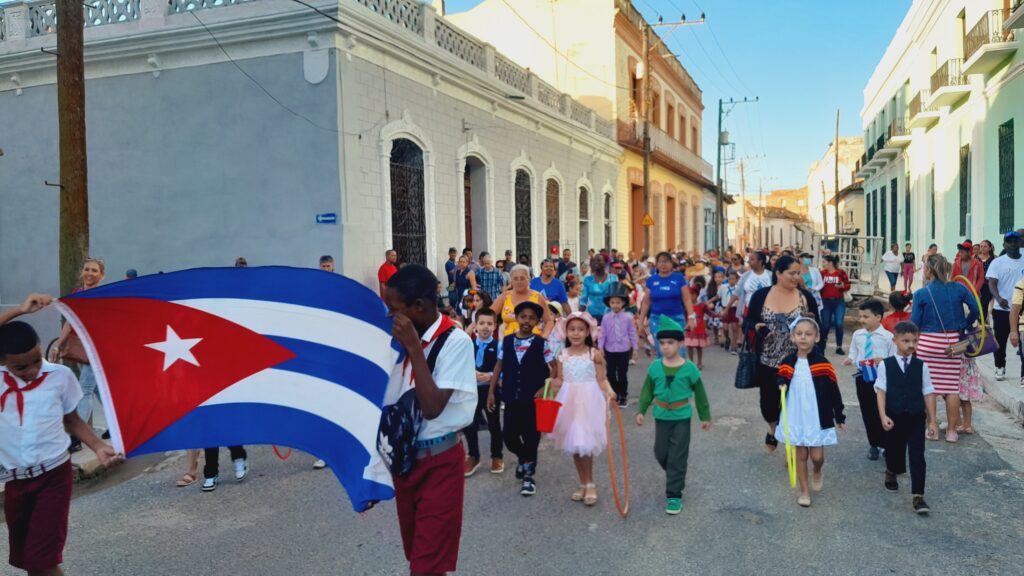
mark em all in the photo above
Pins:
pixel 648 221
pixel 327 218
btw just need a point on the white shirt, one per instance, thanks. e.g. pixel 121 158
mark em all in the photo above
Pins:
pixel 749 283
pixel 881 344
pixel 926 376
pixel 454 370
pixel 41 436
pixel 892 261
pixel 1008 272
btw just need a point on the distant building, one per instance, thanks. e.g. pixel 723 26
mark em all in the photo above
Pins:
pixel 942 122
pixel 792 199
pixel 851 208
pixel 767 226
pixel 821 179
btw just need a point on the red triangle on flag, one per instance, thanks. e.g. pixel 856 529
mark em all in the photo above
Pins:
pixel 136 338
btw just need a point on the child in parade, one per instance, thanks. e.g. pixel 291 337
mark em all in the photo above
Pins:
pixel 713 308
pixel 671 383
pixel 475 301
pixel 906 398
pixel 619 342
pixel 574 288
pixel 524 363
pixel 697 337
pixel 730 320
pixel 814 405
pixel 870 345
pixel 557 337
pixel 900 302
pixel 35 465
pixel 485 347
pixel 584 393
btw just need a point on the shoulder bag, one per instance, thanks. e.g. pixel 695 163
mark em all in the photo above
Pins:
pixel 746 367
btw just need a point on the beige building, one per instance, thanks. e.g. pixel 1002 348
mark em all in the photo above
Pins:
pixel 821 180
pixel 591 49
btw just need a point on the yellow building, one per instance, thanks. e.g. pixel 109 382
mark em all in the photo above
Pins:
pixel 591 49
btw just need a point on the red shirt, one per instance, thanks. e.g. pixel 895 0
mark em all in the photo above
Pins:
pixel 836 283
pixel 897 316
pixel 385 272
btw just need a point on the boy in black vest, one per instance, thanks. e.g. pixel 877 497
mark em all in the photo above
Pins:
pixel 524 363
pixel 486 347
pixel 905 393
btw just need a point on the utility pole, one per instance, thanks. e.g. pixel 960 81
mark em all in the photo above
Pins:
pixel 760 213
pixel 645 109
pixel 836 196
pixel 720 196
pixel 824 210
pixel 74 180
pixel 743 203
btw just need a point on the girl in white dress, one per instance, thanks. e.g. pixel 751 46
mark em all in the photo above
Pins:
pixel 814 406
pixel 584 392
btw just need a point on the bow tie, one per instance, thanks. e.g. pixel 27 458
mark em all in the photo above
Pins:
pixel 19 393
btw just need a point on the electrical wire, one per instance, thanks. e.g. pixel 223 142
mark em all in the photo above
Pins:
pixel 256 82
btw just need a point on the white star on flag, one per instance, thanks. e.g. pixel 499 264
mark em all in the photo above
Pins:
pixel 175 348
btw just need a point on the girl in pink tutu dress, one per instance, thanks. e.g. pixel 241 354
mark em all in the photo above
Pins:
pixel 584 392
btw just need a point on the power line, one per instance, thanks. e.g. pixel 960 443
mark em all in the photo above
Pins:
pixel 256 82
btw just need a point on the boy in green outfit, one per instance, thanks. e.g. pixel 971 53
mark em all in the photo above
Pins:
pixel 671 384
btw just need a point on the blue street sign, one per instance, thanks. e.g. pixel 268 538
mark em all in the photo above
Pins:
pixel 327 218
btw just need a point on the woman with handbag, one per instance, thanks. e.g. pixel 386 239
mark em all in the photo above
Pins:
pixel 938 310
pixel 69 348
pixel 766 325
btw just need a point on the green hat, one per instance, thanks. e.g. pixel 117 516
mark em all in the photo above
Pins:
pixel 669 328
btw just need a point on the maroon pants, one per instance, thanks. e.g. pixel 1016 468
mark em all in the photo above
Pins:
pixel 429 502
pixel 36 511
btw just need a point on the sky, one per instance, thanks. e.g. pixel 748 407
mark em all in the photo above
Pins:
pixel 803 59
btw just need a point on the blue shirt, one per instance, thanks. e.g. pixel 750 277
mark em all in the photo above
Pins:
pixel 594 293
pixel 666 295
pixel 940 307
pixel 554 291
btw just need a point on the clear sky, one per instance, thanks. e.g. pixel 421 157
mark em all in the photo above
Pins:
pixel 803 58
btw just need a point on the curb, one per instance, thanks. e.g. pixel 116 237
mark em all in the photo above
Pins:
pixel 1006 392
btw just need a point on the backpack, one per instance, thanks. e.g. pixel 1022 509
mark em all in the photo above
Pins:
pixel 401 422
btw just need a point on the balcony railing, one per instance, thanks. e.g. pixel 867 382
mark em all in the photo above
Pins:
pixel 919 103
pixel 898 128
pixel 871 152
pixel 880 143
pixel 948 75
pixel 631 135
pixel 988 30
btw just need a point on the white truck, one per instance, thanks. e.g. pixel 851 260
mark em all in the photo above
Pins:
pixel 859 256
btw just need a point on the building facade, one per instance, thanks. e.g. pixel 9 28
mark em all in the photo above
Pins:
pixel 266 130
pixel 822 184
pixel 592 49
pixel 942 123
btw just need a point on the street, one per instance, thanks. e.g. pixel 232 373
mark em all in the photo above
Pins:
pixel 739 514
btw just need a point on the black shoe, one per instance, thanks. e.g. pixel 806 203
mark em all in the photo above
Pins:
pixel 770 440
pixel 529 487
pixel 520 471
pixel 872 453
pixel 105 435
pixel 890 482
pixel 76 445
pixel 920 506
pixel 840 351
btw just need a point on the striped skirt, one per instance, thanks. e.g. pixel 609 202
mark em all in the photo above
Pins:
pixel 944 370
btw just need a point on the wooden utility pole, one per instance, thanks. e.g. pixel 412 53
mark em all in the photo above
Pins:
pixel 741 234
pixel 74 179
pixel 824 210
pixel 836 196
pixel 645 112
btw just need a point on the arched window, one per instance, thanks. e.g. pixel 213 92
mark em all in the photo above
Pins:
pixel 523 216
pixel 553 194
pixel 608 222
pixel 408 217
pixel 584 228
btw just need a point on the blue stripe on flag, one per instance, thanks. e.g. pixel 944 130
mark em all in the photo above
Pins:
pixel 343 368
pixel 300 286
pixel 241 424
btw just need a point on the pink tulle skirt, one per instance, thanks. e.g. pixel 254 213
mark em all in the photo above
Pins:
pixel 580 427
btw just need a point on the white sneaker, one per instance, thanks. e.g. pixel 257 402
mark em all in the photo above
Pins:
pixel 319 465
pixel 1001 374
pixel 210 484
pixel 241 469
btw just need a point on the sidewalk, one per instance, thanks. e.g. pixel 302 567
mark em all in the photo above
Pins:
pixel 1007 393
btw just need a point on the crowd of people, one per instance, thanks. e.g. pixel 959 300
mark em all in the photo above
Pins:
pixel 506 334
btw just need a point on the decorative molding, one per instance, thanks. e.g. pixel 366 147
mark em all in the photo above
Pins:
pixel 475 149
pixel 316 64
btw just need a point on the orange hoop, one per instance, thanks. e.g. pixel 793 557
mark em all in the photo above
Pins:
pixel 623 509
pixel 285 456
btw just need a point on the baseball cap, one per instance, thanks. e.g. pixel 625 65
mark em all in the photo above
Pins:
pixel 966 245
pixel 1012 235
pixel 131 273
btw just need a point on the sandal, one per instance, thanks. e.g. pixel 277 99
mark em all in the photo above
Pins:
pixel 591 494
pixel 804 501
pixel 771 442
pixel 187 479
pixel 932 434
pixel 578 495
pixel 952 437
pixel 965 429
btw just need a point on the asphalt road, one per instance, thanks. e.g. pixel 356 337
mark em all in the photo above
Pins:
pixel 739 514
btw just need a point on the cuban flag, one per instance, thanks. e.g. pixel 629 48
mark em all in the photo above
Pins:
pixel 225 356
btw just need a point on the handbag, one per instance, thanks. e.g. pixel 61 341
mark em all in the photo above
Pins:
pixel 73 349
pixel 401 422
pixel 746 367
pixel 973 342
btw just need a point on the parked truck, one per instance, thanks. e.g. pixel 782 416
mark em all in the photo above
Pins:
pixel 859 256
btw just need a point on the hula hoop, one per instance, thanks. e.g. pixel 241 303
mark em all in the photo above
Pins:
pixel 623 509
pixel 981 313
pixel 280 456
pixel 790 449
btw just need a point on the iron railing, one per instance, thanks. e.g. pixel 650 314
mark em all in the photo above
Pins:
pixel 949 74
pixel 871 152
pixel 988 30
pixel 919 103
pixel 880 143
pixel 899 128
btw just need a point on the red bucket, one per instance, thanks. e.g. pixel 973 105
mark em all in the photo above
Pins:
pixel 547 413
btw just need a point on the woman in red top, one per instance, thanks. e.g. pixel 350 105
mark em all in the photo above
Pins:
pixel 832 303
pixel 900 302
pixel 969 266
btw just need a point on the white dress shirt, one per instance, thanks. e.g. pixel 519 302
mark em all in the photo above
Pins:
pixel 882 345
pixel 455 369
pixel 37 435
pixel 926 376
